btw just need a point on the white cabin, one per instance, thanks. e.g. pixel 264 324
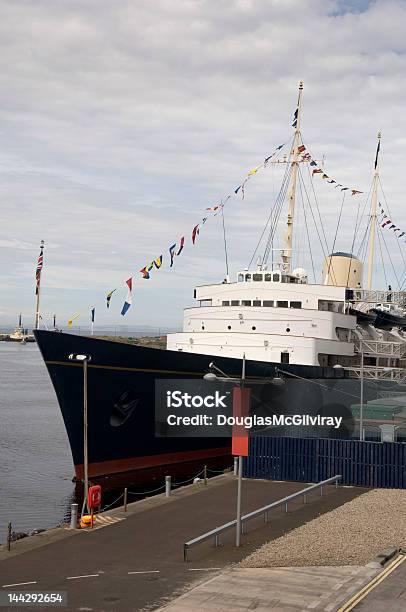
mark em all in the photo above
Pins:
pixel 269 316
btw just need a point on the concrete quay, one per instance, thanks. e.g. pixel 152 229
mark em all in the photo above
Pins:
pixel 133 561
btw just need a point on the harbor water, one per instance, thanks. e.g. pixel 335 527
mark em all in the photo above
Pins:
pixel 36 469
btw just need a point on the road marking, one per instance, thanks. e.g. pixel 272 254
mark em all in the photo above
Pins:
pixel 202 569
pixel 84 576
pixel 145 572
pixel 355 599
pixel 19 584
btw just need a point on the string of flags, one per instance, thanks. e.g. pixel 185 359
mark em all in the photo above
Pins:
pixel 316 169
pixel 387 223
pixel 176 248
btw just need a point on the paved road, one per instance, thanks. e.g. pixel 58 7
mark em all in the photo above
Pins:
pixel 137 563
pixel 389 595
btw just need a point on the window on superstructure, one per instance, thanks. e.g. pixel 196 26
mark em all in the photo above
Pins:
pixel 268 277
pixel 247 277
pixel 268 303
pixel 257 277
pixel 284 357
pixel 276 278
pixel 256 302
pixel 225 303
pixel 235 302
pixel 241 278
pixel 296 304
pixel 246 303
pixel 282 304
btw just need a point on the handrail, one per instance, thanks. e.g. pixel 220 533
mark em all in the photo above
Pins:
pixel 264 510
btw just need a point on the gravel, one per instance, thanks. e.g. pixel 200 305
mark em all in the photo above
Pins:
pixel 352 534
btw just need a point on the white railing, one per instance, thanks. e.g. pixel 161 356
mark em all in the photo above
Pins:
pixel 379 348
pixel 376 297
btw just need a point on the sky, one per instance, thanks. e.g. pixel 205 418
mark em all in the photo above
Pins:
pixel 120 122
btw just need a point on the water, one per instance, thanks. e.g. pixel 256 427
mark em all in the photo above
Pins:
pixel 36 466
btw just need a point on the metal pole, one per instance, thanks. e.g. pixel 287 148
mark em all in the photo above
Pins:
pixel 9 536
pixel 239 486
pixel 125 499
pixel 85 447
pixel 361 407
pixel 238 527
pixel 167 486
pixel 235 466
pixel 205 474
pixel 74 516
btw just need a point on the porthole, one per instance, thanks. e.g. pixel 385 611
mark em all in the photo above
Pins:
pixel 254 328
pixel 202 326
pixel 288 329
pixel 229 327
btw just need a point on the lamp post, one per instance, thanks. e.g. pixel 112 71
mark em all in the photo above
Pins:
pixel 211 377
pixel 84 359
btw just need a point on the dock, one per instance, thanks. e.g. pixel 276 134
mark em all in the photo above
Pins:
pixel 134 559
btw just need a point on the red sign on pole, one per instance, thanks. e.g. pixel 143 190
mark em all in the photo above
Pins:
pixel 94 497
pixel 241 408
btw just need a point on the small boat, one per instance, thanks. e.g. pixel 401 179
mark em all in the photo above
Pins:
pixel 364 317
pixel 388 319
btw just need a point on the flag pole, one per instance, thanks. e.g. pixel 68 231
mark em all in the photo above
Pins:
pixel 38 282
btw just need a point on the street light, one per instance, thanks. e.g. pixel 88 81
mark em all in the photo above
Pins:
pixel 212 377
pixel 85 360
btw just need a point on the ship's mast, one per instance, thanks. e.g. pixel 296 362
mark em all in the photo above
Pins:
pixel 373 216
pixel 291 193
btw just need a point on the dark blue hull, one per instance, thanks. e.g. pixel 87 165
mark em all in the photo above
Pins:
pixel 121 381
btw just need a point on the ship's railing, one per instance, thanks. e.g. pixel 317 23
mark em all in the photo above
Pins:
pixel 378 373
pixel 265 510
pixel 378 347
pixel 376 297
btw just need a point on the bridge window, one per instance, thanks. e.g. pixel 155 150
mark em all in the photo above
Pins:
pixel 248 277
pixel 246 303
pixel 257 277
pixel 282 304
pixel 296 304
pixel 235 302
pixel 205 302
pixel 225 303
pixel 256 302
pixel 268 277
pixel 268 303
pixel 241 278
pixel 276 278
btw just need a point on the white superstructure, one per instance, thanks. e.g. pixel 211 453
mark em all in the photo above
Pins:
pixel 269 316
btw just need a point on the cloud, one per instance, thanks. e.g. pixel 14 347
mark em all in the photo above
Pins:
pixel 120 122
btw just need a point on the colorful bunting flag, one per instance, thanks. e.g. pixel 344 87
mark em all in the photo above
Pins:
pixel 128 299
pixel 108 297
pixel 73 318
pixel 182 244
pixel 301 149
pixel 195 232
pixel 355 191
pixel 317 171
pixel 92 314
pixel 158 262
pixel 172 253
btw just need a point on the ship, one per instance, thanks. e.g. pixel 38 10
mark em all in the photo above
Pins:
pixel 322 337
pixel 20 334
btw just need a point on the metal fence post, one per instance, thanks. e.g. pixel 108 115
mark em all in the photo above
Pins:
pixel 235 466
pixel 167 486
pixel 205 474
pixel 9 536
pixel 74 516
pixel 125 499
